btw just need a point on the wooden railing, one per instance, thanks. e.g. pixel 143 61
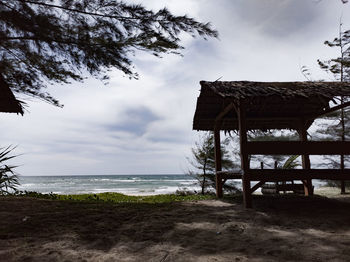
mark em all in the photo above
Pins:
pixel 298 148
pixel 297 174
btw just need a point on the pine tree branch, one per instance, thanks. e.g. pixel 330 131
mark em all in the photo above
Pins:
pixel 56 39
pixel 79 11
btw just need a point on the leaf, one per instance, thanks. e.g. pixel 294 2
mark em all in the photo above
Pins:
pixel 291 162
pixel 8 178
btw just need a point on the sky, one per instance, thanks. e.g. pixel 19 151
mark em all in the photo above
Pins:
pixel 145 126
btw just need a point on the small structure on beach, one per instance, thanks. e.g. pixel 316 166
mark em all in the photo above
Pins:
pixel 8 102
pixel 243 105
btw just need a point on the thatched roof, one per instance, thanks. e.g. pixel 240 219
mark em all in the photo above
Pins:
pixel 270 105
pixel 8 102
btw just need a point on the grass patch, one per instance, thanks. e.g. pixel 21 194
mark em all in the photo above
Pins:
pixel 119 198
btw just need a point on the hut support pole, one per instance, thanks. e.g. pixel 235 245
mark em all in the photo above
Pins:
pixel 305 160
pixel 342 182
pixel 217 144
pixel 247 192
pixel 218 166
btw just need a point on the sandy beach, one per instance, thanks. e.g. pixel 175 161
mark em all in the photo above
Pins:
pixel 287 228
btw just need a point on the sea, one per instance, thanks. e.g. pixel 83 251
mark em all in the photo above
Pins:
pixel 125 184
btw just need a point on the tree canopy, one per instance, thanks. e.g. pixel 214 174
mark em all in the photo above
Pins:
pixel 48 41
pixel 339 67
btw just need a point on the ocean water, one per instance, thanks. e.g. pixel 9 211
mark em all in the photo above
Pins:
pixel 126 184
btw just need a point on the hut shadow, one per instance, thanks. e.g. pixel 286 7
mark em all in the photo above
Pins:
pixel 276 228
pixel 283 228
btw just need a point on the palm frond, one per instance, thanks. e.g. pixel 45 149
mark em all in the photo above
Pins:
pixel 291 162
pixel 8 178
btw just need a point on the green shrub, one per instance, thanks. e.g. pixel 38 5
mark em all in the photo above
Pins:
pixel 117 197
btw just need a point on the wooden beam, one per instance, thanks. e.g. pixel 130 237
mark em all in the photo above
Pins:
pixel 218 164
pixel 305 159
pixel 217 145
pixel 247 195
pixel 272 175
pixel 219 185
pixel 257 185
pixel 298 148
pixel 218 160
pixel 231 174
pixel 342 166
pixel 224 112
pixel 329 110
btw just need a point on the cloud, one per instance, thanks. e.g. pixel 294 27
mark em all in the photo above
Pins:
pixel 145 126
pixel 276 18
pixel 134 120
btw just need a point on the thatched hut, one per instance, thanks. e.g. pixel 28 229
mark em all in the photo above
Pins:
pixel 245 105
pixel 8 102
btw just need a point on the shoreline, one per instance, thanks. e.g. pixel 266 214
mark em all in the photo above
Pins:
pixel 130 185
pixel 322 190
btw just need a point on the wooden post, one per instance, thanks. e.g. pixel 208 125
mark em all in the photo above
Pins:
pixel 247 194
pixel 276 183
pixel 342 182
pixel 342 187
pixel 305 161
pixel 218 166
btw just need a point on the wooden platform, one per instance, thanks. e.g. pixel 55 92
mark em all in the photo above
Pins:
pixel 268 189
pixel 282 175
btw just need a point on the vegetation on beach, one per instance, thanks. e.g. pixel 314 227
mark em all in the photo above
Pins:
pixel 118 197
pixel 8 177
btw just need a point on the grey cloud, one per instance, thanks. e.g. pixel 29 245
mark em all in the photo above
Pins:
pixel 135 121
pixel 259 40
pixel 170 136
pixel 276 18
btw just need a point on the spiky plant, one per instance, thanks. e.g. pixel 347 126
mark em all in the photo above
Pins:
pixel 291 162
pixel 8 178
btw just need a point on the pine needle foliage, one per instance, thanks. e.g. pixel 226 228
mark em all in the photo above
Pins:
pixel 339 67
pixel 203 162
pixel 57 41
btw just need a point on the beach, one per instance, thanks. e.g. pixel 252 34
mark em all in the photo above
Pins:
pixel 283 228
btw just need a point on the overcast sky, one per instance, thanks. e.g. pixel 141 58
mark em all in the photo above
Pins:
pixel 145 126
